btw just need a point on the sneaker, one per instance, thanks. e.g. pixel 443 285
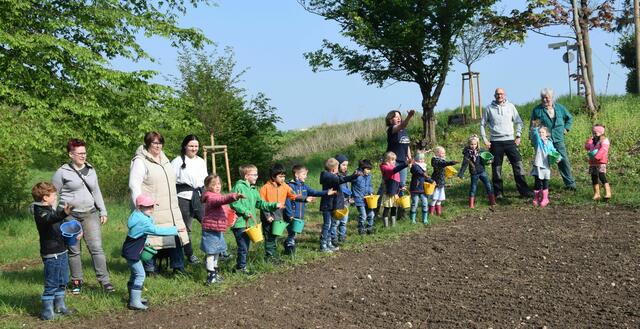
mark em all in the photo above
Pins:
pixel 326 250
pixel 333 247
pixel 193 260
pixel 212 277
pixel 370 230
pixel 108 288
pixel 76 287
pixel 225 256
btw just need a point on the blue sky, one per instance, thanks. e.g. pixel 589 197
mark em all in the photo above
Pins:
pixel 270 37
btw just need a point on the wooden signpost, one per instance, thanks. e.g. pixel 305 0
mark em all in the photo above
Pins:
pixel 469 76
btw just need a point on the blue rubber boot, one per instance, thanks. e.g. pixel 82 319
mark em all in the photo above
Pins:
pixel 47 310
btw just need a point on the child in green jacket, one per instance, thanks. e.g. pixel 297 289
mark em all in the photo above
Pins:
pixel 246 211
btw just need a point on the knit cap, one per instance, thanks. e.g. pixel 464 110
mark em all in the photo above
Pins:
pixel 341 158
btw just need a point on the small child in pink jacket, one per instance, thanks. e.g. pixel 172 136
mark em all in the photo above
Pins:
pixel 598 147
pixel 214 224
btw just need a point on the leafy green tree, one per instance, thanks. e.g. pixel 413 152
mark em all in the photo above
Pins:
pixel 397 40
pixel 627 54
pixel 209 87
pixel 56 76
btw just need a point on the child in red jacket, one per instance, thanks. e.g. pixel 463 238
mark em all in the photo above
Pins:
pixel 598 147
pixel 214 224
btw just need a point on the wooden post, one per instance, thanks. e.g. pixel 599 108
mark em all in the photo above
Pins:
pixel 462 99
pixel 213 155
pixel 479 99
pixel 226 163
pixel 472 97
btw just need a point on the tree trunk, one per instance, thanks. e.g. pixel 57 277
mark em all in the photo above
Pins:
pixel 636 20
pixel 428 123
pixel 586 41
pixel 585 66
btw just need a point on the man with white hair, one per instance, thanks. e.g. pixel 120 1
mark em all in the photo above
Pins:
pixel 558 120
pixel 500 116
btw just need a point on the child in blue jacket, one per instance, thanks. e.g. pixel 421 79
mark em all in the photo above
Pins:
pixel 296 209
pixel 360 188
pixel 140 224
pixel 339 226
pixel 416 188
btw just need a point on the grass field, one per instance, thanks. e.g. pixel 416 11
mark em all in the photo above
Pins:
pixel 21 268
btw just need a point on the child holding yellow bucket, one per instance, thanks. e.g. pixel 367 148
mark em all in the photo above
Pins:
pixel 140 224
pixel 416 188
pixel 361 188
pixel 339 225
pixel 439 162
pixel 329 179
pixel 472 159
pixel 214 224
pixel 275 190
pixel 391 179
pixel 294 210
pixel 545 155
pixel 246 210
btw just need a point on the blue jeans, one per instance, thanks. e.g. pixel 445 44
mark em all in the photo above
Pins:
pixel 56 276
pixel 243 242
pixel 419 197
pixel 339 228
pixel 474 183
pixel 364 215
pixel 136 280
pixel 325 234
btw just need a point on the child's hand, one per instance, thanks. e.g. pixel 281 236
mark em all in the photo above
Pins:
pixel 182 229
pixel 310 199
pixel 67 208
pixel 331 192
pixel 455 162
pixel 79 236
pixel 280 205
pixel 240 196
pixel 270 219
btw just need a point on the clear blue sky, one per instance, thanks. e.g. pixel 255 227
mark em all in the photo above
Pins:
pixel 270 37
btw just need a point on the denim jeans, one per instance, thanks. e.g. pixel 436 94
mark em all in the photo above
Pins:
pixel 403 178
pixel 485 181
pixel 136 280
pixel 325 234
pixel 339 228
pixel 243 242
pixel 56 276
pixel 365 215
pixel 419 197
pixel 92 236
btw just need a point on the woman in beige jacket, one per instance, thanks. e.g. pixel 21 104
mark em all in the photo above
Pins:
pixel 151 174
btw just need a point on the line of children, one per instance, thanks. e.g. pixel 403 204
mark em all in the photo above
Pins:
pixel 471 159
pixel 296 208
pixel 360 188
pixel 275 190
pixel 541 169
pixel 439 162
pixel 597 147
pixel 214 223
pixel 416 187
pixel 391 178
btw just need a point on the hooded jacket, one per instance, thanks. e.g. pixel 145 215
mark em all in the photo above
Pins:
pixel 73 191
pixel 500 118
pixel 48 223
pixel 158 180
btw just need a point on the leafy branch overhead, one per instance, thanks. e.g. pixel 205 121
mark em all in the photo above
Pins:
pixel 409 41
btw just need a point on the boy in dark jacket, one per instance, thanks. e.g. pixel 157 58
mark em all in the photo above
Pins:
pixel 360 188
pixel 471 155
pixel 339 226
pixel 296 209
pixel 53 249
pixel 329 179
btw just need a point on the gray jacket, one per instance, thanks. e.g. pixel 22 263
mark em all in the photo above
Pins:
pixel 500 118
pixel 72 190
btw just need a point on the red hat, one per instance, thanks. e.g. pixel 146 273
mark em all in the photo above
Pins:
pixel 144 201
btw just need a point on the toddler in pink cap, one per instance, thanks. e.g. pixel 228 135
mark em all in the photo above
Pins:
pixel 597 146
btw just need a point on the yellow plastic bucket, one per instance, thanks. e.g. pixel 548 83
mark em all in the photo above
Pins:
pixel 340 213
pixel 255 233
pixel 372 201
pixel 450 171
pixel 429 188
pixel 404 201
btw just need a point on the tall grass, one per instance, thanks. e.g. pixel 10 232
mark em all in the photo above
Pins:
pixel 21 268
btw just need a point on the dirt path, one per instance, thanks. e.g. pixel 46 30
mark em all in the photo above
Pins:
pixel 561 267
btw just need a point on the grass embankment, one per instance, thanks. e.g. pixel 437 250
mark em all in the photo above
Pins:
pixel 21 268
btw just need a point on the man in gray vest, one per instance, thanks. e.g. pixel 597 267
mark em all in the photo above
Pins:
pixel 500 117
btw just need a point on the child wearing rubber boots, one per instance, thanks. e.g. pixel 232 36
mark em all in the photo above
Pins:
pixel 140 224
pixel 541 169
pixel 416 187
pixel 597 147
pixel 439 162
pixel 53 249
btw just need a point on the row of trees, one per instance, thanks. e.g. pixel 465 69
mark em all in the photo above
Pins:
pixel 415 41
pixel 56 82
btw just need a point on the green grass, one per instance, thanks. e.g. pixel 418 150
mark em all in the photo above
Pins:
pixel 21 267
